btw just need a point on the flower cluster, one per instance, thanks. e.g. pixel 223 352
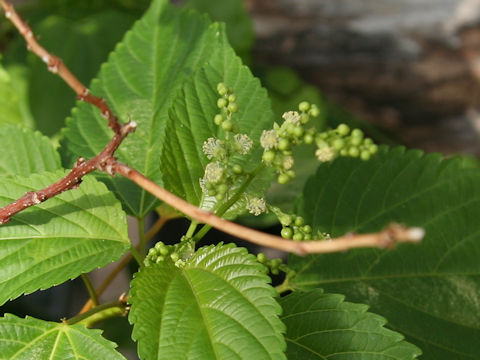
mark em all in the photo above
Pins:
pixel 221 173
pixel 278 142
pixel 256 206
pixel 178 253
pixel 294 227
pixel 343 142
pixel 273 266
pixel 228 106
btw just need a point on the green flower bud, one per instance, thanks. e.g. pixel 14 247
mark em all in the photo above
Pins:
pixel 338 144
pixel 164 251
pixel 304 118
pixel 220 196
pixel 368 142
pixel 297 237
pixel 237 169
pixel 174 256
pixel 353 152
pixel 262 258
pixel 227 125
pixel 365 155
pixel 221 103
pixel 308 138
pixel 307 237
pixel 355 141
pixel 283 179
pixel 232 98
pixel 343 129
pixel 307 229
pixel 344 152
pixel 298 131
pixel 304 106
pixel 222 88
pixel 159 260
pixel 373 149
pixel 268 156
pixel 232 107
pixel 299 221
pixel 212 192
pixel 285 219
pixel 283 144
pixel 291 174
pixel 357 133
pixel 218 119
pixel 222 188
pixel 286 233
pixel 314 111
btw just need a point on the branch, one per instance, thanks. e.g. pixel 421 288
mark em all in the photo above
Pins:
pixel 56 66
pixel 384 239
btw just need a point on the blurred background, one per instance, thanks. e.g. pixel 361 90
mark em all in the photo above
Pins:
pixel 405 71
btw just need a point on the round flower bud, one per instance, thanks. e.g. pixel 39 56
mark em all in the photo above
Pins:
pixel 261 258
pixel 343 129
pixel 227 125
pixel 298 131
pixel 357 133
pixel 304 106
pixel 222 88
pixel 307 229
pixel 222 188
pixel 355 141
pixel 286 233
pixel 268 156
pixel 283 144
pixel 308 138
pixel 373 149
pixel 299 221
pixel 365 155
pixel 297 237
pixel 222 102
pixel 174 256
pixel 353 152
pixel 218 119
pixel 338 144
pixel 220 196
pixel 237 169
pixel 232 98
pixel 283 179
pixel 314 111
pixel 232 107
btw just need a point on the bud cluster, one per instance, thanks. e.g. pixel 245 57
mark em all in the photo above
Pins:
pixel 178 253
pixel 278 142
pixel 343 142
pixel 274 266
pixel 220 173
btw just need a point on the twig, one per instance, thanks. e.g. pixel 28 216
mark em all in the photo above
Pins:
pixel 90 289
pixel 383 239
pixel 56 66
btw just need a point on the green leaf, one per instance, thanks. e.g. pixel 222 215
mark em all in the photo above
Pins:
pixel 33 339
pixel 324 326
pixel 430 291
pixel 11 98
pixel 139 81
pixel 219 306
pixel 70 234
pixel 26 152
pixel 191 124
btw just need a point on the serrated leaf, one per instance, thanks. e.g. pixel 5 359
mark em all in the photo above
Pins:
pixel 26 152
pixel 324 326
pixel 70 234
pixel 139 81
pixel 219 306
pixel 429 291
pixel 191 124
pixel 11 102
pixel 34 339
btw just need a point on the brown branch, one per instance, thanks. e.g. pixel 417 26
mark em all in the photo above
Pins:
pixel 56 66
pixel 383 239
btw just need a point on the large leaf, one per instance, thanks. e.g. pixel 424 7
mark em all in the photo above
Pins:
pixel 139 82
pixel 219 306
pixel 431 291
pixel 32 339
pixel 321 326
pixel 191 123
pixel 70 234
pixel 11 101
pixel 26 152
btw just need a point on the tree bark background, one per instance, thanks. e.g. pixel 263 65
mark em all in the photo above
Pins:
pixel 411 66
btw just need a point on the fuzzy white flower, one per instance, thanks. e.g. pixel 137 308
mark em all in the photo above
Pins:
pixel 213 148
pixel 213 172
pixel 269 139
pixel 292 117
pixel 243 143
pixel 325 154
pixel 256 206
pixel 287 162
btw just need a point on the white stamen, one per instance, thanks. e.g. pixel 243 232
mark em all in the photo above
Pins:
pixel 416 234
